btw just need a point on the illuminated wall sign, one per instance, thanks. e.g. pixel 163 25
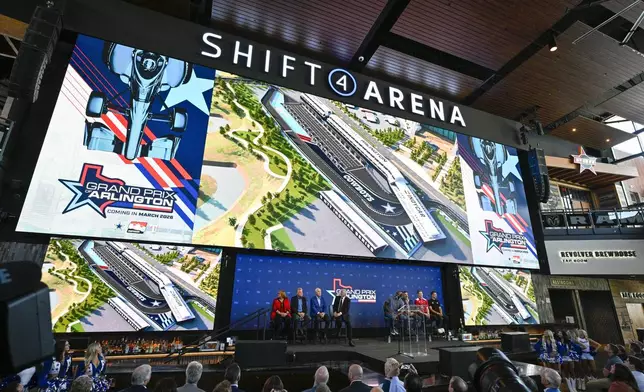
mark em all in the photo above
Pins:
pixel 585 161
pixel 340 81
pixel 596 257
pixel 630 295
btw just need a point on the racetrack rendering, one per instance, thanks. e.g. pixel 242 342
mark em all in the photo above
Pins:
pixel 117 286
pixel 494 296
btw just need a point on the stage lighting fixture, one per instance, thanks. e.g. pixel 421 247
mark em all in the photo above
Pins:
pixel 552 44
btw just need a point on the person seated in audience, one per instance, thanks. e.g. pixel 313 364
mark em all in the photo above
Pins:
pixel 166 384
pixel 194 370
pixel 392 382
pixel 622 380
pixel 457 384
pixel 273 384
pixel 319 313
pixel 281 314
pixel 223 386
pixel 621 352
pixel 16 386
pixel 551 380
pixel 299 313
pixel 636 350
pixel 637 368
pixel 83 383
pixel 321 377
pixel 355 378
pixel 233 374
pixel 603 384
pixel 376 389
pixel 413 383
pixel 322 388
pixel 140 378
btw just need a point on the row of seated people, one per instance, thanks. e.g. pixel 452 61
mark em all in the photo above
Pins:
pixel 292 318
pixel 402 317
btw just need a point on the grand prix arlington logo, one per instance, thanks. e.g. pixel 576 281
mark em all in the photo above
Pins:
pixel 499 239
pixel 96 190
pixel 355 295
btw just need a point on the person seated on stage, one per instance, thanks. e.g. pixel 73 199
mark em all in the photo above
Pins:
pixel 318 312
pixel 341 306
pixel 299 312
pixel 423 312
pixel 390 312
pixel 439 319
pixel 457 384
pixel 281 314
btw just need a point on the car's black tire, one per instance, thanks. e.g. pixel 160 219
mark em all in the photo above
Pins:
pixel 96 104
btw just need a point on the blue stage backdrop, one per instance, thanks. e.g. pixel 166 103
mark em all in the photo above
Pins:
pixel 259 278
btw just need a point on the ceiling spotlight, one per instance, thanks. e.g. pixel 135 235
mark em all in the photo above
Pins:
pixel 574 129
pixel 552 44
pixel 608 140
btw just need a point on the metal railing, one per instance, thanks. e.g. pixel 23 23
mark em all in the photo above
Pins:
pixel 629 220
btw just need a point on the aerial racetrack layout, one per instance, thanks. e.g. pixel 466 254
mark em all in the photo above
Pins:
pixel 216 159
pixel 105 286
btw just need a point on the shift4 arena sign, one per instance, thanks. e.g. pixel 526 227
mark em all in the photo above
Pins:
pixel 499 239
pixel 98 191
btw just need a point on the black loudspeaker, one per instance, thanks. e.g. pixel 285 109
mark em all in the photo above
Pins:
pixel 454 361
pixel 260 353
pixel 35 53
pixel 539 172
pixel 512 342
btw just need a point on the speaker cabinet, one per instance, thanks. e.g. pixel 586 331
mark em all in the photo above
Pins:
pixel 260 353
pixel 512 342
pixel 454 361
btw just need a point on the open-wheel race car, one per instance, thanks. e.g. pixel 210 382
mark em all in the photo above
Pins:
pixel 146 74
pixel 496 192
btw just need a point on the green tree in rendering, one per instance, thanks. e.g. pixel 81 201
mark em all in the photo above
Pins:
pixel 232 221
pixel 252 220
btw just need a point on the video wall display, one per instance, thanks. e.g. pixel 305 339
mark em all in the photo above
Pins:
pixel 107 286
pixel 259 278
pixel 497 296
pixel 145 147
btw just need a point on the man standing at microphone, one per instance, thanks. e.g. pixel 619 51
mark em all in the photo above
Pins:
pixel 341 305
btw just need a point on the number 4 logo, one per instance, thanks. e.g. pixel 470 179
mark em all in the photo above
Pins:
pixel 342 82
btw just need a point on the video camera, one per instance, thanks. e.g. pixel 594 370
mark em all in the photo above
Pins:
pixel 494 372
pixel 26 336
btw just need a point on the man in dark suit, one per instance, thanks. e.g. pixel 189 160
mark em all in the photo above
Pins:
pixel 140 379
pixel 299 313
pixel 341 306
pixel 319 312
pixel 233 375
pixel 355 377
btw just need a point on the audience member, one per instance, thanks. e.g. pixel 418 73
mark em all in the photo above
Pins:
pixel 636 350
pixel 193 375
pixel 355 378
pixel 603 384
pixel 457 384
pixel 321 377
pixel 233 374
pixel 551 380
pixel 413 383
pixel 637 368
pixel 392 382
pixel 223 386
pixel 622 380
pixel 621 353
pixel 15 386
pixel 613 358
pixel 322 388
pixel 82 384
pixel 166 384
pixel 140 379
pixel 273 383
pixel 376 389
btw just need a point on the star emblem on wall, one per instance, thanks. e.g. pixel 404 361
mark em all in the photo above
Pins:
pixel 585 161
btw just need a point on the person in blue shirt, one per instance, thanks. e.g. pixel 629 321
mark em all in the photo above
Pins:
pixel 569 358
pixel 300 313
pixel 55 373
pixel 549 351
pixel 319 313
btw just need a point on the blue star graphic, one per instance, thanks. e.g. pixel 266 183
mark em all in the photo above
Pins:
pixel 510 167
pixel 490 242
pixel 80 198
pixel 119 226
pixel 191 92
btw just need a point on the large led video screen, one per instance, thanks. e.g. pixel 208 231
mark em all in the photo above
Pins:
pixel 258 278
pixel 497 296
pixel 145 147
pixel 108 286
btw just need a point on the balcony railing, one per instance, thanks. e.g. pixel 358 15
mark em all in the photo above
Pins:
pixel 586 222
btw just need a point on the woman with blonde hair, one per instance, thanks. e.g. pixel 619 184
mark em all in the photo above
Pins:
pixel 93 366
pixel 549 350
pixel 587 358
pixel 281 314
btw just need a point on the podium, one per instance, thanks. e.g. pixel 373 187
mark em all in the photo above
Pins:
pixel 413 331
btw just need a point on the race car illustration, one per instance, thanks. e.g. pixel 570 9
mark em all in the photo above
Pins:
pixel 498 193
pixel 147 74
